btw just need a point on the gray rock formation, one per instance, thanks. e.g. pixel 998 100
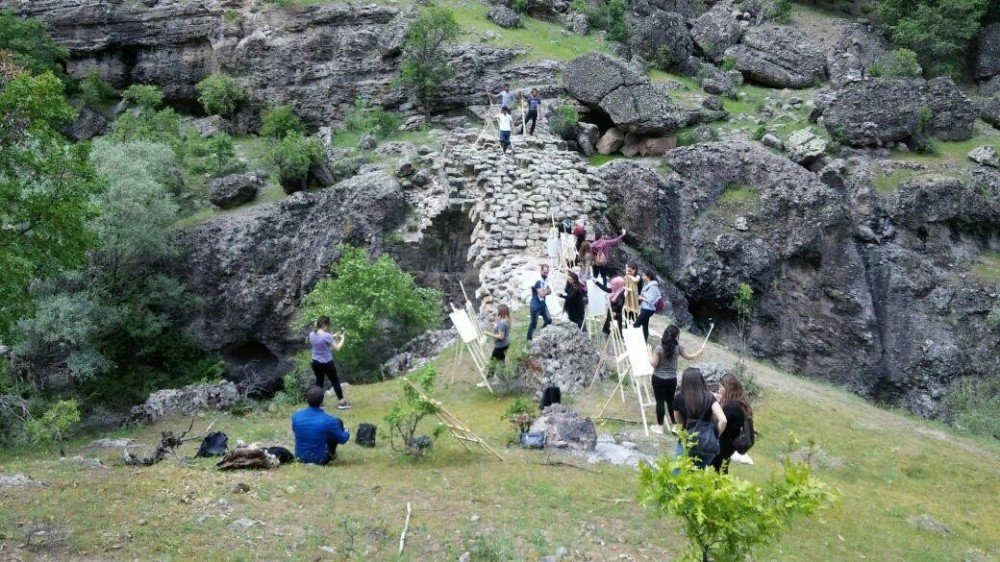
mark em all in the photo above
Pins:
pixel 990 87
pixel 187 400
pixel 504 17
pixel 860 45
pixel 954 114
pixel 418 352
pixel 88 125
pixel 686 8
pixel 625 94
pixel 235 189
pixel 988 53
pixel 985 155
pixel 717 30
pixel 779 56
pixel 804 146
pixel 662 38
pixel 565 429
pixel 565 357
pixel 610 141
pixel 989 110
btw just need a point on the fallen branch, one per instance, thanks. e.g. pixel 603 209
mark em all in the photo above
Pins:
pixel 549 462
pixel 406 527
pixel 169 443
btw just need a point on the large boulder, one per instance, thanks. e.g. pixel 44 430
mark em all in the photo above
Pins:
pixel 717 30
pixel 804 146
pixel 504 17
pixel 565 429
pixel 88 125
pixel 686 8
pixel 779 56
pixel 662 38
pixel 611 141
pixel 988 53
pixel 625 94
pixel 564 356
pixel 235 189
pixel 187 400
pixel 860 45
pixel 989 110
pixel 954 115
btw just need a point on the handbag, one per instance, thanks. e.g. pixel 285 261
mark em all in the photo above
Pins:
pixel 213 445
pixel 366 435
pixel 746 438
pixel 708 441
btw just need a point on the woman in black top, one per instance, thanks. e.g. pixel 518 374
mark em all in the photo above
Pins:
pixel 574 295
pixel 736 407
pixel 616 300
pixel 695 402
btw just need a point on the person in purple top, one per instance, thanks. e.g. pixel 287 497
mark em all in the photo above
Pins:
pixel 317 433
pixel 323 345
pixel 601 251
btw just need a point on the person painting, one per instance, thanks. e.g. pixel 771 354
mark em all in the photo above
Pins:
pixel 601 248
pixel 317 433
pixel 648 297
pixel 664 362
pixel 534 106
pixel 539 291
pixel 736 407
pixel 501 334
pixel 505 124
pixel 323 345
pixel 695 402
pixel 575 298
pixel 615 301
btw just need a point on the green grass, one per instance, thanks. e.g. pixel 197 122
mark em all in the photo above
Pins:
pixel 888 182
pixel 689 82
pixel 987 266
pixel 602 159
pixel 737 199
pixel 894 467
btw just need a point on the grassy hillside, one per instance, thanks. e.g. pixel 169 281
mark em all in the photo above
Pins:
pixel 892 470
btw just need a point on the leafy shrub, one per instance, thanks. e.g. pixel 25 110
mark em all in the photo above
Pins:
pixel 214 155
pixel 29 41
pixel 608 15
pixel 899 63
pixel 521 413
pixel 54 423
pixel 376 305
pixel 564 120
pixel 364 118
pixel 759 132
pixel 974 405
pixel 521 6
pixel 96 93
pixel 278 121
pixel 406 413
pixel 220 94
pixel 779 11
pixel 293 157
pixel 729 63
pixel 725 518
pixel 938 31
pixel 425 65
pixel 145 96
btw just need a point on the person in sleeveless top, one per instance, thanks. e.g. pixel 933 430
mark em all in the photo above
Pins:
pixel 323 345
pixel 664 361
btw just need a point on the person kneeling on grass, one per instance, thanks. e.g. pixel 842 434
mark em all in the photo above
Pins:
pixel 317 433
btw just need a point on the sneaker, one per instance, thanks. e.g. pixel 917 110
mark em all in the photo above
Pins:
pixel 741 458
pixel 343 405
pixel 673 430
pixel 656 429
pixel 481 384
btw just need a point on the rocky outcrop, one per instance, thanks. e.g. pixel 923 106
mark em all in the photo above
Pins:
pixel 88 125
pixel 565 429
pixel 717 30
pixel 504 17
pixel 860 45
pixel 953 113
pixel 625 95
pixel 988 53
pixel 686 8
pixel 778 56
pixel 564 356
pixel 187 400
pixel 235 189
pixel 418 352
pixel 662 38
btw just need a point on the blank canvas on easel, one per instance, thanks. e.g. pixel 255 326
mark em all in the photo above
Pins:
pixel 597 300
pixel 638 354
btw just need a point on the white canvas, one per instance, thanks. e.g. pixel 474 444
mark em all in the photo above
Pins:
pixel 638 355
pixel 597 300
pixel 462 322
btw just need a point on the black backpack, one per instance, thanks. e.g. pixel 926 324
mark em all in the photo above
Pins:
pixel 213 445
pixel 746 438
pixel 551 395
pixel 284 455
pixel 366 435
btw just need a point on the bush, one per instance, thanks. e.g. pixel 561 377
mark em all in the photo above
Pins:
pixel 940 32
pixel 144 96
pixel 54 423
pixel 974 405
pixel 521 413
pixel 426 65
pixel 279 121
pixel 363 118
pixel 729 63
pixel 900 63
pixel 32 47
pixel 378 306
pixel 608 15
pixel 96 93
pixel 725 518
pixel 293 157
pixel 406 413
pixel 214 155
pixel 564 121
pixel 759 133
pixel 220 94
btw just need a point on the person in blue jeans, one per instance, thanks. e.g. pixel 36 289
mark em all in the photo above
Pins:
pixel 317 433
pixel 534 106
pixel 539 291
pixel 648 298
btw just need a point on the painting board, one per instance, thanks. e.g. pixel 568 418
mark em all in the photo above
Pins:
pixel 466 330
pixel 597 301
pixel 638 355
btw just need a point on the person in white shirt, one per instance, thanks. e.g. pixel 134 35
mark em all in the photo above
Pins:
pixel 505 124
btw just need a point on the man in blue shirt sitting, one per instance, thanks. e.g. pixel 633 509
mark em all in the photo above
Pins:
pixel 317 433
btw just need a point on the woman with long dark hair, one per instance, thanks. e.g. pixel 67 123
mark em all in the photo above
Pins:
pixel 323 345
pixel 574 295
pixel 648 299
pixel 737 408
pixel 664 362
pixel 694 403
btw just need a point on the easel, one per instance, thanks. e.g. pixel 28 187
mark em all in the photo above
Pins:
pixel 630 310
pixel 639 371
pixel 472 314
pixel 489 129
pixel 455 426
pixel 568 251
pixel 618 359
pixel 471 342
pixel 524 120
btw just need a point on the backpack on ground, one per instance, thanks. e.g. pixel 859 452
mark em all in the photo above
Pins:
pixel 366 435
pixel 213 445
pixel 746 438
pixel 661 304
pixel 707 442
pixel 551 395
pixel 531 440
pixel 601 258
pixel 284 455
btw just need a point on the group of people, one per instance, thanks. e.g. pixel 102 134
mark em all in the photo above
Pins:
pixel 505 120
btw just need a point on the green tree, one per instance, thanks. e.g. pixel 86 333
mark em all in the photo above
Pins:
pixel 378 307
pixel 54 423
pixel 278 121
pixel 32 46
pixel 607 15
pixel 144 96
pixel 899 63
pixel 938 31
pixel 95 92
pixel 564 120
pixel 46 186
pixel 725 518
pixel 365 118
pixel 222 151
pixel 405 415
pixel 220 94
pixel 425 63
pixel 293 157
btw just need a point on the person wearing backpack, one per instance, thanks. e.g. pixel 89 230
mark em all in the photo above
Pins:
pixel 601 249
pixel 650 300
pixel 664 381
pixel 701 415
pixel 738 412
